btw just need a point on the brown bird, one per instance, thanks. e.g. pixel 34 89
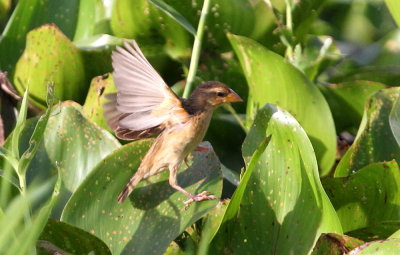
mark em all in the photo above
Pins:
pixel 145 105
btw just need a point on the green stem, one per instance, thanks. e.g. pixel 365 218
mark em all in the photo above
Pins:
pixel 194 61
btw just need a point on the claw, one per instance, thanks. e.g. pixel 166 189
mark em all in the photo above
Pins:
pixel 200 197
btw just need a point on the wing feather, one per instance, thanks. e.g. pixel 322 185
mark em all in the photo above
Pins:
pixel 144 103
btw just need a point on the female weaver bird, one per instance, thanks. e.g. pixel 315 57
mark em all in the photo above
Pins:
pixel 145 105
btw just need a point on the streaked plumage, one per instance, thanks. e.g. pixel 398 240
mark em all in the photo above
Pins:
pixel 145 105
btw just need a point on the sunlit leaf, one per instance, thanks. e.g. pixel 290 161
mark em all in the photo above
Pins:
pixel 283 190
pixel 154 211
pixel 394 9
pixel 335 244
pixel 368 197
pixel 375 141
pixel 272 79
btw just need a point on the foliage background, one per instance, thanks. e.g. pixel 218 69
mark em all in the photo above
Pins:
pixel 308 164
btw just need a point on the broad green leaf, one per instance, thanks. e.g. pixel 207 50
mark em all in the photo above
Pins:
pixel 149 25
pixel 282 207
pixel 347 101
pixel 379 231
pixel 375 141
pixel 335 244
pixel 368 197
pixel 381 247
pixel 272 79
pixel 49 56
pixel 154 215
pixel 93 107
pixel 65 238
pixel 394 8
pixel 72 143
pixel 30 14
pixel 170 11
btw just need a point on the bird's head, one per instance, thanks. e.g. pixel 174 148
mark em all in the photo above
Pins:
pixel 213 94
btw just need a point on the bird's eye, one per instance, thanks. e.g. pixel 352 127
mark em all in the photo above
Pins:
pixel 221 94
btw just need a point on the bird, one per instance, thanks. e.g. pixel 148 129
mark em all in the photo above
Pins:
pixel 145 106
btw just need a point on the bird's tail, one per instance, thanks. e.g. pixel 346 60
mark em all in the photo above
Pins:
pixel 128 188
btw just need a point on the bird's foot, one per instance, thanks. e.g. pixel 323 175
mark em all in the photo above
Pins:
pixel 202 148
pixel 199 197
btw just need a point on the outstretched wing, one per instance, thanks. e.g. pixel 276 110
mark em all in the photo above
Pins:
pixel 144 104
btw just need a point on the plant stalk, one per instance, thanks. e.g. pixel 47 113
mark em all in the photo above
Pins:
pixel 194 61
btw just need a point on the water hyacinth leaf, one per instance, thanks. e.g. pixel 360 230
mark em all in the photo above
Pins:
pixel 154 214
pixel 50 56
pixel 283 189
pixel 30 14
pixel 93 109
pixel 394 9
pixel 335 244
pixel 150 26
pixel 61 237
pixel 347 101
pixel 367 197
pixel 379 231
pixel 375 132
pixel 381 247
pixel 170 11
pixel 70 142
pixel 286 86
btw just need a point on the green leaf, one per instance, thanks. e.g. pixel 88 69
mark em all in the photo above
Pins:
pixel 49 56
pixel 23 110
pixel 93 107
pixel 154 214
pixel 150 26
pixel 272 79
pixel 279 190
pixel 212 222
pixel 375 141
pixel 9 157
pixel 37 134
pixel 20 231
pixel 368 197
pixel 30 14
pixel 381 247
pixel 90 19
pixel 347 101
pixel 61 237
pixel 379 231
pixel 335 244
pixel 394 8
pixel 170 11
pixel 70 142
pixel 389 75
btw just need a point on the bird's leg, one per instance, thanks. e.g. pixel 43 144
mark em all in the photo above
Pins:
pixel 174 184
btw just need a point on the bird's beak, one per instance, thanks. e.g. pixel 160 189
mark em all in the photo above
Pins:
pixel 233 97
